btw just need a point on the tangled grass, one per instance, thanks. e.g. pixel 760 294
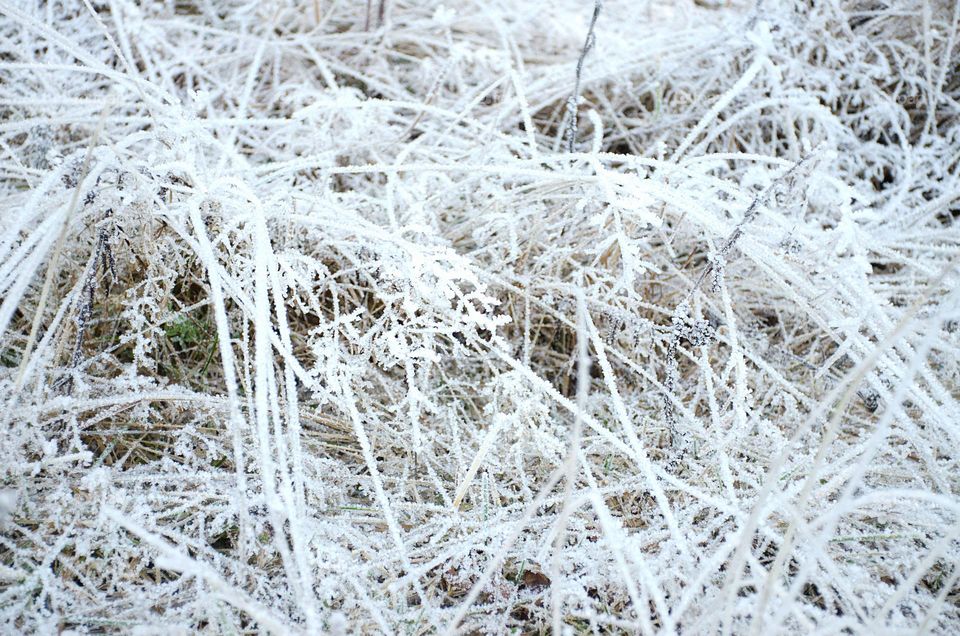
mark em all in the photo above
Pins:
pixel 408 318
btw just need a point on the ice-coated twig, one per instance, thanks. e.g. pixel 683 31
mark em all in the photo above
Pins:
pixel 573 103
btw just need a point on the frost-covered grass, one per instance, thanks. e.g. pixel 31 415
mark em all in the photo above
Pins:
pixel 327 316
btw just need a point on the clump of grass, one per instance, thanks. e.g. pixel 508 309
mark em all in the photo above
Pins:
pixel 387 317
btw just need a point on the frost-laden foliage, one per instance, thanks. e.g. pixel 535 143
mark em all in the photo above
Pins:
pixel 311 321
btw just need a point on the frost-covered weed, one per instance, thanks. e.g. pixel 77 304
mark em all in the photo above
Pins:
pixel 395 317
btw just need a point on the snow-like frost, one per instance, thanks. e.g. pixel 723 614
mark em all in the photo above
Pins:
pixel 502 317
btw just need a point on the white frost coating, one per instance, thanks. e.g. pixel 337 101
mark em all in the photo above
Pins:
pixel 339 339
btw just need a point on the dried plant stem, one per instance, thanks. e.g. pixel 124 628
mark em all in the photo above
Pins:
pixel 574 101
pixel 53 265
